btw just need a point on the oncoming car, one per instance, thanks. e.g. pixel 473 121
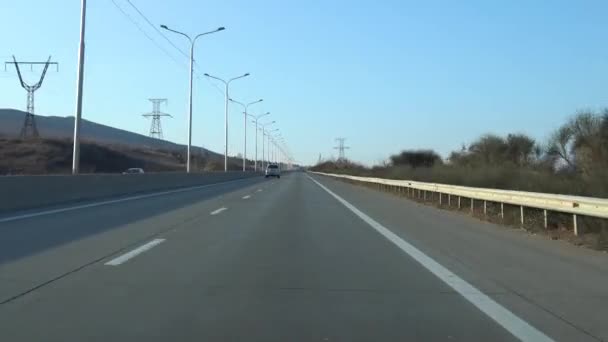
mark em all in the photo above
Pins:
pixel 273 171
pixel 133 170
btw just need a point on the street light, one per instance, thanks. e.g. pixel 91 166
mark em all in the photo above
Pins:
pixel 256 118
pixel 263 142
pixel 245 106
pixel 79 83
pixel 275 147
pixel 226 83
pixel 268 140
pixel 192 41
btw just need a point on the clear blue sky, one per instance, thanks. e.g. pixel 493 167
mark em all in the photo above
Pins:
pixel 386 75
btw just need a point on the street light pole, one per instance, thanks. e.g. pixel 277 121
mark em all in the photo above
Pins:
pixel 79 82
pixel 277 148
pixel 264 142
pixel 245 106
pixel 226 83
pixel 255 168
pixel 269 151
pixel 192 41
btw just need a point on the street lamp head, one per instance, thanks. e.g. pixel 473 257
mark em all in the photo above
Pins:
pixel 221 28
pixel 164 27
pixel 260 100
pixel 247 74
pixel 206 74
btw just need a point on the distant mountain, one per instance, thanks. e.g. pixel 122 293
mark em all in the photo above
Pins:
pixel 11 121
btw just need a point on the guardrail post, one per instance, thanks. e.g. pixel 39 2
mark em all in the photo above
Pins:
pixel 502 211
pixel 521 214
pixel 575 224
pixel 472 205
pixel 545 217
pixel 425 195
pixel 458 202
pixel 449 200
pixel 440 198
pixel 485 208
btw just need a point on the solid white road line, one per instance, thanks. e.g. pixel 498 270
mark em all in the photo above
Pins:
pixel 246 197
pixel 125 257
pixel 217 211
pixel 515 325
pixel 119 200
pixel 259 190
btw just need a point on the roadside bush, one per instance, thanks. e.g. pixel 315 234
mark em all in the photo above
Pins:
pixel 574 161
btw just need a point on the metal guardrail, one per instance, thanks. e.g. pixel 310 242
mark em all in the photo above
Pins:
pixel 575 205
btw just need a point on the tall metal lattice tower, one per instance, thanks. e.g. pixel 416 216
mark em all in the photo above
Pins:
pixel 29 128
pixel 156 130
pixel 341 148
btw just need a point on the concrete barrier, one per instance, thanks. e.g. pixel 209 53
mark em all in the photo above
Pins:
pixel 29 192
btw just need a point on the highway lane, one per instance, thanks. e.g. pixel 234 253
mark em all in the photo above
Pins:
pixel 284 260
pixel 556 286
pixel 24 237
pixel 38 249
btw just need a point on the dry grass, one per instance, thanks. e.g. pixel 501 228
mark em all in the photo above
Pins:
pixel 594 231
pixel 54 156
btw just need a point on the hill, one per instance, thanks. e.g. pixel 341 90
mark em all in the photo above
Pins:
pixel 103 149
pixel 56 127
pixel 54 156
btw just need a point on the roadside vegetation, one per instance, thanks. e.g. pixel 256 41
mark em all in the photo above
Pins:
pixel 54 156
pixel 573 161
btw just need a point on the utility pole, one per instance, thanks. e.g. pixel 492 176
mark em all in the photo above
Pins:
pixel 255 121
pixel 156 130
pixel 341 148
pixel 245 114
pixel 29 124
pixel 227 98
pixel 79 87
pixel 192 42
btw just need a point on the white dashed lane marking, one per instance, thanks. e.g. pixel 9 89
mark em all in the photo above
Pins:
pixel 217 211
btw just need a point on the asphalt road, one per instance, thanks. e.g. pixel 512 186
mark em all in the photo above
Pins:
pixel 293 259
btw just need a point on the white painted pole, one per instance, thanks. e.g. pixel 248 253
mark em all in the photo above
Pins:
pixel 79 86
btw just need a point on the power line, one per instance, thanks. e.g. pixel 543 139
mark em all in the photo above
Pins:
pixel 165 37
pixel 145 33
pixel 157 30
pixel 213 84
pixel 171 42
